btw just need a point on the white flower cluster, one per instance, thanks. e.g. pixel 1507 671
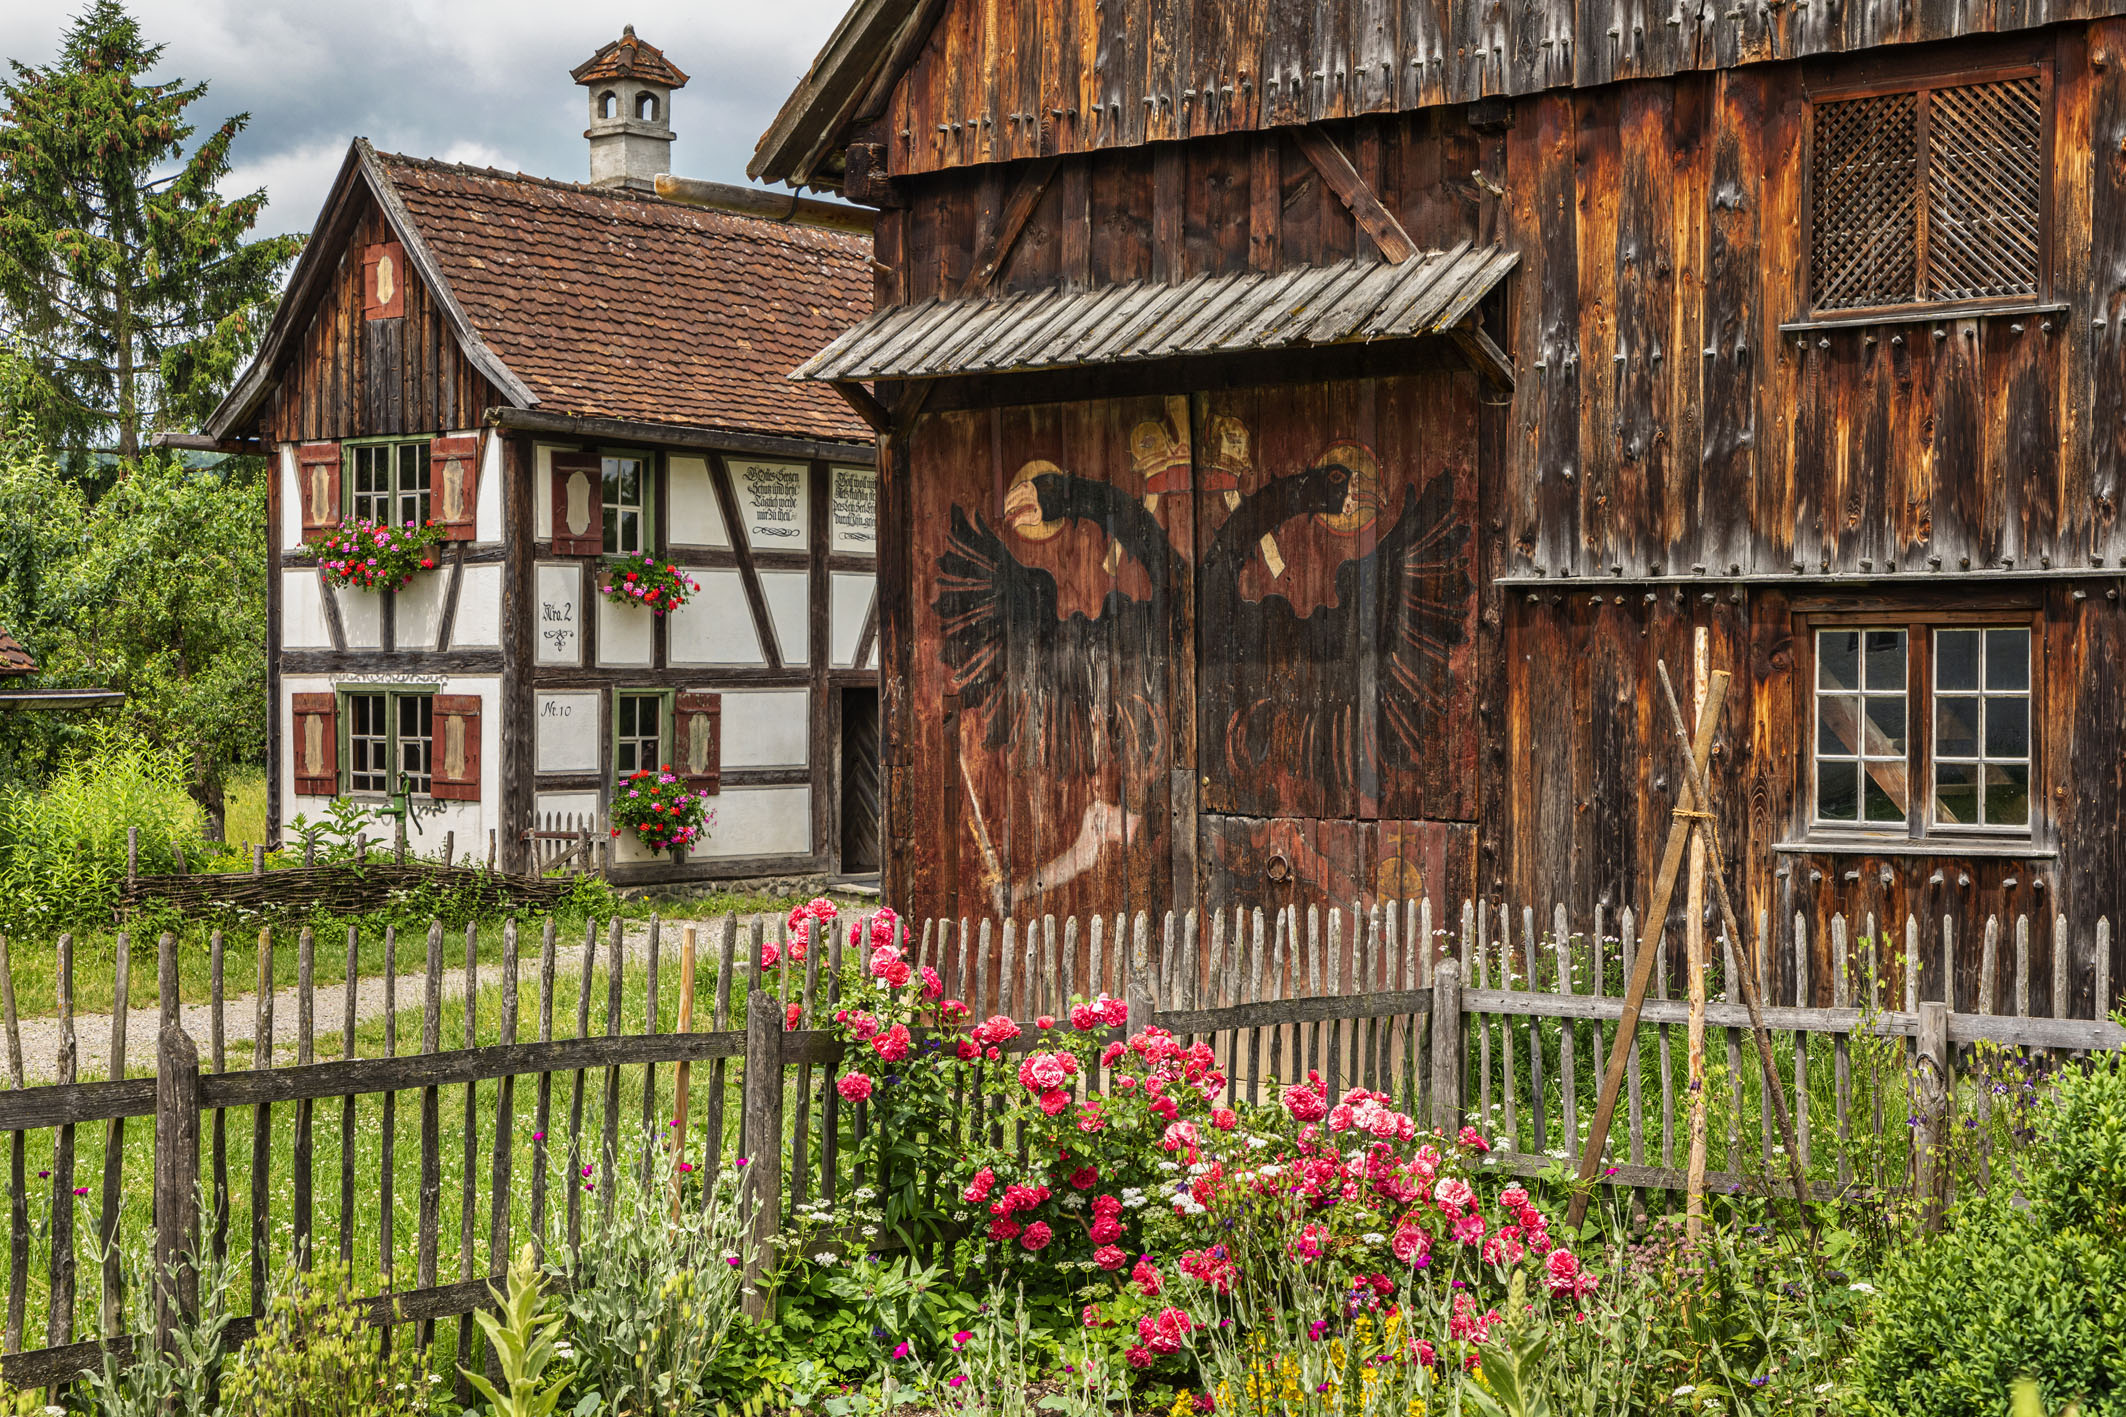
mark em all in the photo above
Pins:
pixel 1132 1197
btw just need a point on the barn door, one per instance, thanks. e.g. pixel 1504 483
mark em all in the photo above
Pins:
pixel 1335 603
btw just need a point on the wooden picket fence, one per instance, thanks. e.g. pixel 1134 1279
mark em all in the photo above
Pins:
pixel 1479 1016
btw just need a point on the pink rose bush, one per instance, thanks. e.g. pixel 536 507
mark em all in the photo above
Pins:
pixel 1111 1164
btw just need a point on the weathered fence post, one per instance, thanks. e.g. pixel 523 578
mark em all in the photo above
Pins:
pixel 176 1182
pixel 761 1136
pixel 1935 1103
pixel 1447 1046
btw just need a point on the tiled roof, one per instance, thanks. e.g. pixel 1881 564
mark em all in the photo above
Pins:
pixel 611 305
pixel 14 659
pixel 629 58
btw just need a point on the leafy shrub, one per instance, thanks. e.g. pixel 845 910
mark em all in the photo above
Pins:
pixel 314 1355
pixel 2013 1291
pixel 653 1293
pixel 63 846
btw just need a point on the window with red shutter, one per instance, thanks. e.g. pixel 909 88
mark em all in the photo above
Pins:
pixel 454 483
pixel 317 467
pixel 697 740
pixel 384 281
pixel 577 506
pixel 455 760
pixel 314 744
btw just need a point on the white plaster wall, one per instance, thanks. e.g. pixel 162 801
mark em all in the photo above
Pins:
pixel 773 498
pixel 759 821
pixel 625 633
pixel 303 610
pixel 716 626
pixel 478 624
pixel 765 728
pixel 487 500
pixel 785 594
pixel 559 586
pixel 291 528
pixel 697 520
pixel 361 617
pixel 565 733
pixel 420 609
pixel 851 601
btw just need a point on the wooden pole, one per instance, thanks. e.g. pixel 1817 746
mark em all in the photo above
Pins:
pixel 1649 952
pixel 1936 1090
pixel 176 1183
pixel 1750 996
pixel 762 1183
pixel 1694 954
pixel 1447 1045
pixel 682 1075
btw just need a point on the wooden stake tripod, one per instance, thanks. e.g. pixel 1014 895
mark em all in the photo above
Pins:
pixel 1692 814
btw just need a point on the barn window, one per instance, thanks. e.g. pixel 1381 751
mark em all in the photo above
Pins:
pixel 390 742
pixel 639 732
pixel 626 481
pixel 389 482
pixel 1923 727
pixel 608 104
pixel 1933 193
pixel 646 107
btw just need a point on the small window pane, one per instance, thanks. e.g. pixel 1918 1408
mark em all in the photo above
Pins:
pixel 1955 727
pixel 2008 659
pixel 1837 791
pixel 1837 726
pixel 1838 659
pixel 368 744
pixel 637 740
pixel 2007 727
pixel 2008 794
pixel 1956 659
pixel 1877 781
pixel 1886 660
pixel 1886 724
pixel 1956 793
pixel 416 729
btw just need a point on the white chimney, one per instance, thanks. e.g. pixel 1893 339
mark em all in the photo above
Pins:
pixel 630 85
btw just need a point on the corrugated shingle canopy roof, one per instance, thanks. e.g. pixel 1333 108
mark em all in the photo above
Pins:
pixel 612 305
pixel 1350 301
pixel 14 659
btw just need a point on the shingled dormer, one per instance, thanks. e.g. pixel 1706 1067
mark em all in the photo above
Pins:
pixel 631 85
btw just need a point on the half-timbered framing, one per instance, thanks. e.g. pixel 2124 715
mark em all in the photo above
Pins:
pixel 559 374
pixel 1345 405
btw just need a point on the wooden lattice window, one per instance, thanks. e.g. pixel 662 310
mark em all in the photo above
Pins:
pixel 1929 194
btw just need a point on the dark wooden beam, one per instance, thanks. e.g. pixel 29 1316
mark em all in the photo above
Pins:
pixel 619 430
pixel 1351 189
pixel 1484 353
pixel 867 408
pixel 1025 195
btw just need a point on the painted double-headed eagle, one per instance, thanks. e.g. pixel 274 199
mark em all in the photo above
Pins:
pixel 1280 692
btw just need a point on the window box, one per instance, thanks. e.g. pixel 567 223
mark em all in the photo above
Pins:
pixel 646 582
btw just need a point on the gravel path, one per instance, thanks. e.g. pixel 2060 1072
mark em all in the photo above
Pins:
pixel 92 1032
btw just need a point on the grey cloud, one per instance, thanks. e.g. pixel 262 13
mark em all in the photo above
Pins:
pixel 471 80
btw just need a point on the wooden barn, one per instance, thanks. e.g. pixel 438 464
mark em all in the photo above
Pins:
pixel 1308 424
pixel 563 374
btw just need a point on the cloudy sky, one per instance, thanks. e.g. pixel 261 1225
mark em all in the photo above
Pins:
pixel 480 81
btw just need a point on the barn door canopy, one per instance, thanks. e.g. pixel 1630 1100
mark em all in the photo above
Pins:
pixel 456 761
pixel 316 744
pixel 454 477
pixel 698 741
pixel 577 506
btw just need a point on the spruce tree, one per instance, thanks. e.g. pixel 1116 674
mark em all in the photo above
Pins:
pixel 129 293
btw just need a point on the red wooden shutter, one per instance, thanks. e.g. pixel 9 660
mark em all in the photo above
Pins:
pixel 698 741
pixel 384 281
pixel 579 527
pixel 318 469
pixel 455 763
pixel 314 744
pixel 454 483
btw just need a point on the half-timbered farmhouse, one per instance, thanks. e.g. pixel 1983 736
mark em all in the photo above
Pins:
pixel 1310 423
pixel 562 374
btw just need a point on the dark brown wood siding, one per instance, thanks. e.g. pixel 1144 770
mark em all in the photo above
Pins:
pixel 998 82
pixel 353 377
